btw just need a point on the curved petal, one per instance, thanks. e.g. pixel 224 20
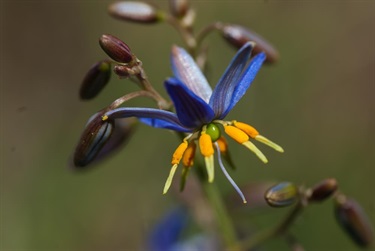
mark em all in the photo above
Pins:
pixel 158 123
pixel 187 71
pixel 161 118
pixel 222 94
pixel 192 111
pixel 245 82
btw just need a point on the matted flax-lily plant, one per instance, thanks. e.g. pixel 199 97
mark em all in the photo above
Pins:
pixel 196 111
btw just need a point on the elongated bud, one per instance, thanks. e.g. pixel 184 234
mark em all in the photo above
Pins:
pixel 116 49
pixel 281 195
pixel 95 80
pixel 354 221
pixel 138 12
pixel 322 190
pixel 93 138
pixel 178 8
pixel 237 36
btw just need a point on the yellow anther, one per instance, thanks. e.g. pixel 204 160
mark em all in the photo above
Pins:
pixel 223 145
pixel 236 134
pixel 248 129
pixel 269 143
pixel 188 158
pixel 104 117
pixel 169 179
pixel 177 155
pixel 205 145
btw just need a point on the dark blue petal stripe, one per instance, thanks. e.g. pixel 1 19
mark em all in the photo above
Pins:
pixel 170 119
pixel 245 81
pixel 222 94
pixel 191 110
pixel 187 71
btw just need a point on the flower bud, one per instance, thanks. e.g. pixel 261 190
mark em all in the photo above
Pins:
pixel 93 138
pixel 178 7
pixel 138 12
pixel 281 195
pixel 237 36
pixel 354 221
pixel 322 190
pixel 116 49
pixel 95 80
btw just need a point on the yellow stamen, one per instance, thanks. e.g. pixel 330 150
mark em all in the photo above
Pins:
pixel 255 150
pixel 177 155
pixel 248 129
pixel 170 178
pixel 269 143
pixel 184 174
pixel 188 158
pixel 104 118
pixel 207 150
pixel 223 145
pixel 236 134
pixel 210 167
pixel 205 145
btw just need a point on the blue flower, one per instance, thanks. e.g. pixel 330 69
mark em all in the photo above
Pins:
pixel 200 110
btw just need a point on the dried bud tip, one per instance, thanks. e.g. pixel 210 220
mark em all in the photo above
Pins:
pixel 93 138
pixel 135 12
pixel 237 36
pixel 178 8
pixel 322 190
pixel 116 49
pixel 281 195
pixel 95 80
pixel 353 220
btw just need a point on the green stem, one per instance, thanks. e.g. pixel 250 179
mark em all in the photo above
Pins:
pixel 223 220
pixel 279 229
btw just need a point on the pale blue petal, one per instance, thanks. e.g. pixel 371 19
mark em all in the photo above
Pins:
pixel 188 72
pixel 192 111
pixel 222 94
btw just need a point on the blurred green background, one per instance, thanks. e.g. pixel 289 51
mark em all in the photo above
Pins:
pixel 317 102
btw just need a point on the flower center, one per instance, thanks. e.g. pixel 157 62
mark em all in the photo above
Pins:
pixel 213 131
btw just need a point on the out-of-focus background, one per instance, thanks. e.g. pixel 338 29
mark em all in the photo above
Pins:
pixel 317 102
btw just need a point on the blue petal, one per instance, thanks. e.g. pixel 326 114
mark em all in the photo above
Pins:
pixel 245 81
pixel 188 72
pixel 191 110
pixel 158 123
pixel 168 231
pixel 170 119
pixel 222 94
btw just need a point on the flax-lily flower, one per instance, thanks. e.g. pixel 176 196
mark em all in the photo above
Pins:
pixel 200 110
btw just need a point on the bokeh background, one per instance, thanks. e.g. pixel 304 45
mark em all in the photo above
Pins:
pixel 317 102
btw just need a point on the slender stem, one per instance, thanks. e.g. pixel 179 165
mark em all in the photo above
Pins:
pixel 207 30
pixel 130 96
pixel 186 34
pixel 279 229
pixel 225 224
pixel 146 85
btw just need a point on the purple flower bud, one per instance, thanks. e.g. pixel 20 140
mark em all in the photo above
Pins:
pixel 135 11
pixel 237 36
pixel 95 80
pixel 281 195
pixel 116 49
pixel 179 8
pixel 93 138
pixel 354 221
pixel 322 190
